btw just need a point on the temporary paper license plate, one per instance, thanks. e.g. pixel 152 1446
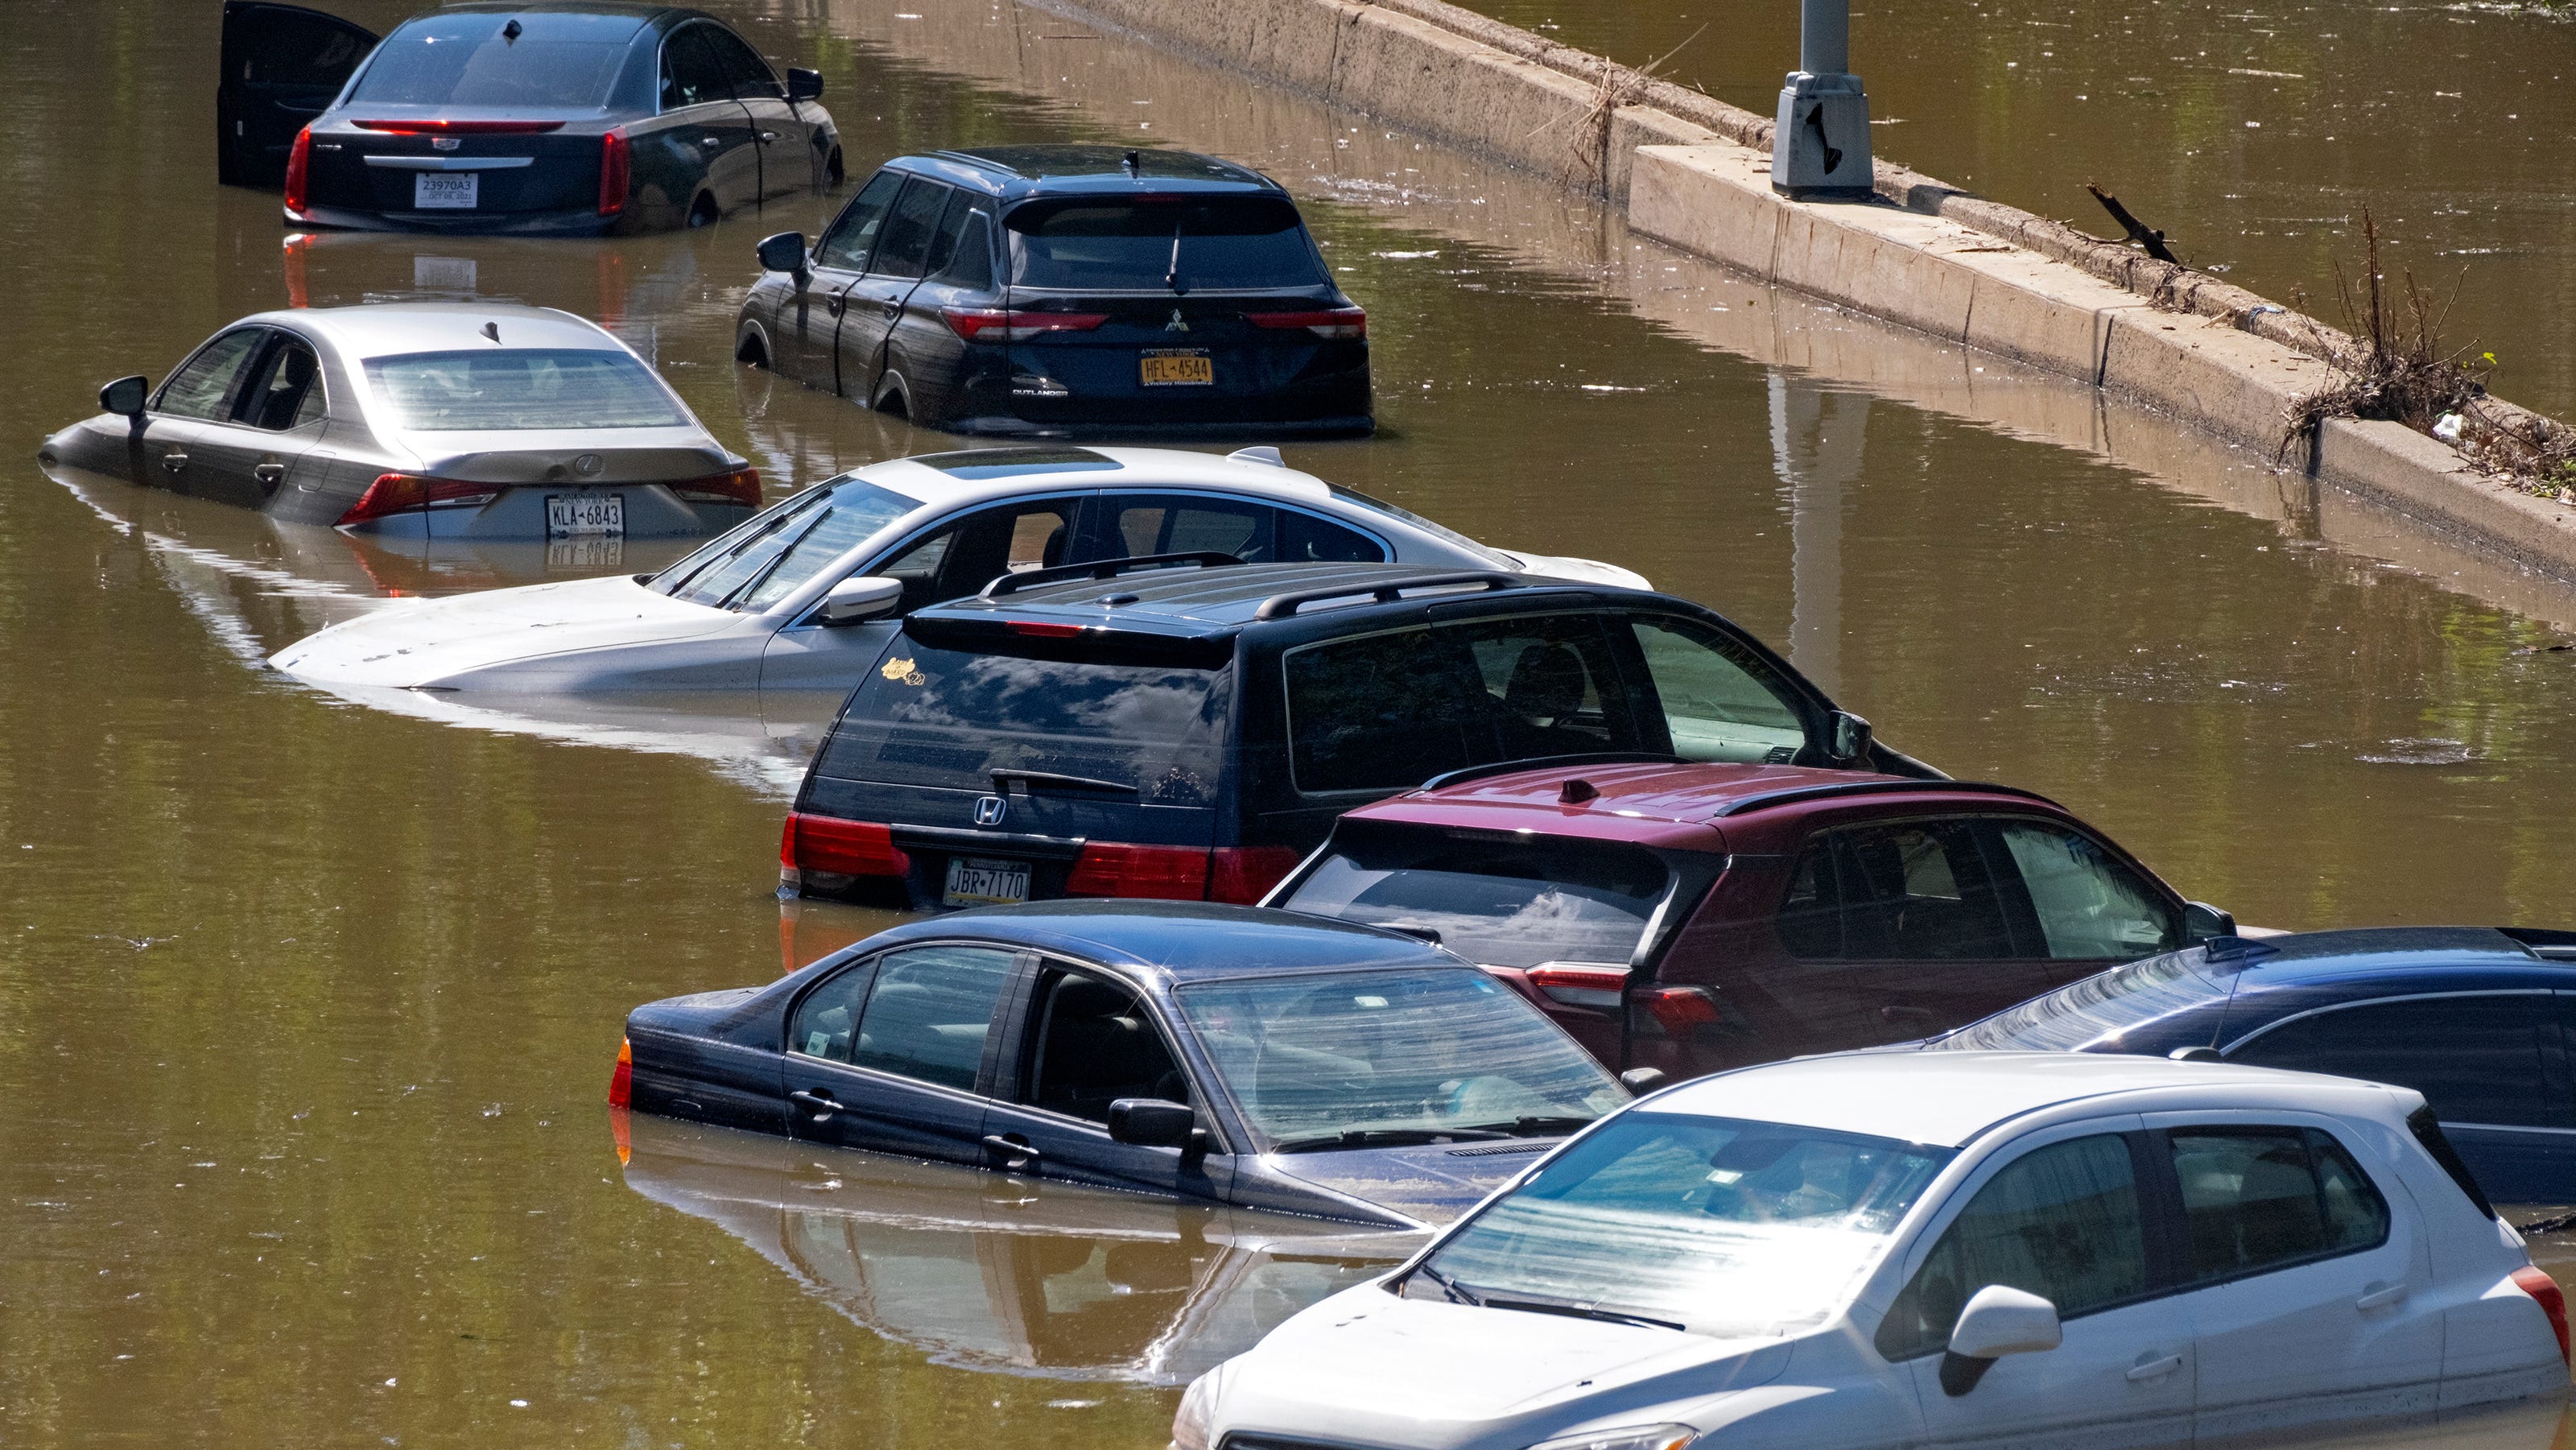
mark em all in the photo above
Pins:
pixel 976 881
pixel 1178 367
pixel 571 515
pixel 445 188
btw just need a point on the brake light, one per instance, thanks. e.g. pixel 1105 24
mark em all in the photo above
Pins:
pixel 1016 324
pixel 394 493
pixel 2552 1301
pixel 1339 322
pixel 1245 874
pixel 1040 629
pixel 1579 984
pixel 616 169
pixel 1168 872
pixel 742 486
pixel 435 127
pixel 843 848
pixel 621 1083
pixel 299 162
pixel 1680 1011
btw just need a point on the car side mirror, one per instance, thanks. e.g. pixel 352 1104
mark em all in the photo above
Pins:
pixel 861 598
pixel 1151 1123
pixel 804 84
pixel 1997 1321
pixel 784 252
pixel 1643 1080
pixel 2201 921
pixel 126 396
pixel 1851 736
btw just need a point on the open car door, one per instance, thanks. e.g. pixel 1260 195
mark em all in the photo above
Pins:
pixel 282 64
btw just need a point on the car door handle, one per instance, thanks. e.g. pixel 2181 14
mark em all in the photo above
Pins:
pixel 271 474
pixel 818 1102
pixel 174 461
pixel 893 309
pixel 2379 1296
pixel 768 135
pixel 835 304
pixel 711 141
pixel 2148 1369
pixel 1020 1154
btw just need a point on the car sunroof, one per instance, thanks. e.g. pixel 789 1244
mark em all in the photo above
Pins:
pixel 979 463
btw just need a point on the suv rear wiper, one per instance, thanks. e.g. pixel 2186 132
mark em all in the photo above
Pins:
pixel 1531 1127
pixel 1381 1138
pixel 1049 780
pixel 1578 1311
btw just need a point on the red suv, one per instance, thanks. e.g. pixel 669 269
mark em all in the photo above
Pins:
pixel 1695 917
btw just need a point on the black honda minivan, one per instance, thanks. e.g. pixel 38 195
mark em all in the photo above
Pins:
pixel 1188 727
pixel 1050 290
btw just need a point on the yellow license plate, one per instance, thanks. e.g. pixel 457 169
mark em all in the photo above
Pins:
pixel 1178 368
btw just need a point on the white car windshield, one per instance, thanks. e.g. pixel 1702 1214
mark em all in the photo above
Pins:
pixel 781 549
pixel 1380 1059
pixel 1721 1226
pixel 522 387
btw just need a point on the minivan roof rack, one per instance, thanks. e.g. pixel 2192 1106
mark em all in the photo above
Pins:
pixel 1104 569
pixel 1770 798
pixel 1281 606
pixel 1550 762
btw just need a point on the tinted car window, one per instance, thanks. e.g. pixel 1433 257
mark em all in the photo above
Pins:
pixel 2061 1222
pixel 910 230
pixel 1096 1043
pixel 2475 1059
pixel 718 571
pixel 203 385
pixel 2265 1198
pixel 555 60
pixel 933 717
pixel 951 229
pixel 287 49
pixel 2088 904
pixel 1716 700
pixel 510 388
pixel 1128 245
pixel 847 244
pixel 976 550
pixel 1141 524
pixel 1903 891
pixel 286 392
pixel 1437 530
pixel 929 1012
pixel 969 261
pixel 691 74
pixel 1506 905
pixel 827 1021
pixel 749 75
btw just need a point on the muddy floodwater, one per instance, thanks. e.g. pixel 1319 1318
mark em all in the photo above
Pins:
pixel 307 1007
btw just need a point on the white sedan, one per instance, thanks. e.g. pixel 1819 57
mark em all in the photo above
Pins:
pixel 2001 1249
pixel 799 600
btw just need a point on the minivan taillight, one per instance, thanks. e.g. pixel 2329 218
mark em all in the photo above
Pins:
pixel 1166 872
pixel 842 848
pixel 394 493
pixel 299 165
pixel 1337 322
pixel 742 486
pixel 1580 984
pixel 616 170
pixel 2552 1301
pixel 1017 324
pixel 621 1083
pixel 1244 874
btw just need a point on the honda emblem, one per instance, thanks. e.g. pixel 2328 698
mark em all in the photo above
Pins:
pixel 990 809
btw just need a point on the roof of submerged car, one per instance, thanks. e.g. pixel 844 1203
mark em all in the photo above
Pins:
pixel 1016 173
pixel 1950 1099
pixel 377 329
pixel 1212 600
pixel 1638 795
pixel 979 472
pixel 1180 941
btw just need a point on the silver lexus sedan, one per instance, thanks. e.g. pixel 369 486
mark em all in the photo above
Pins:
pixel 422 420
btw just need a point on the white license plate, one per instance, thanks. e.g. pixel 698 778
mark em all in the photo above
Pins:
pixel 975 881
pixel 446 188
pixel 572 515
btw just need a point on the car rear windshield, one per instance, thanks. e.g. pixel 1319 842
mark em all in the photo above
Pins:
pixel 779 550
pixel 485 58
pixel 1359 1059
pixel 517 388
pixel 2102 1005
pixel 945 718
pixel 1721 1226
pixel 1505 903
pixel 1131 244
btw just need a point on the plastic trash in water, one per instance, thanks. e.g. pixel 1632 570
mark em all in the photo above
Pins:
pixel 2448 426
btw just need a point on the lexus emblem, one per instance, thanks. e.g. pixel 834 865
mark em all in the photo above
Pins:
pixel 989 810
pixel 588 465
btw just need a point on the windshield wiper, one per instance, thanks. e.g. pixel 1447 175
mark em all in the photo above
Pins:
pixel 1381 1138
pixel 1049 780
pixel 1450 1289
pixel 1172 274
pixel 1531 1127
pixel 1578 1311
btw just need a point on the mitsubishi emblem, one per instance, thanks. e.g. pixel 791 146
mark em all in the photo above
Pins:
pixel 1176 324
pixel 990 809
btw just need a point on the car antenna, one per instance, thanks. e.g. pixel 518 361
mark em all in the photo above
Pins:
pixel 1134 164
pixel 510 33
pixel 492 330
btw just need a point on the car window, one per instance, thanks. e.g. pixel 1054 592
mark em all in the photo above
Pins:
pixel 1901 891
pixel 968 263
pixel 854 232
pixel 534 58
pixel 2088 904
pixel 1387 711
pixel 964 557
pixel 286 389
pixel 203 386
pixel 1441 531
pixel 1504 904
pixel 749 75
pixel 2265 1198
pixel 691 73
pixel 827 1021
pixel 522 387
pixel 945 234
pixel 1140 524
pixel 2062 1222
pixel 1096 1043
pixel 929 1012
pixel 2476 1059
pixel 1127 245
pixel 717 572
pixel 834 532
pixel 910 230
pixel 290 49
pixel 1718 701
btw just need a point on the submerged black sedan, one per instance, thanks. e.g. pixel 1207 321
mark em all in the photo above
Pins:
pixel 1209 1052
pixel 565 117
pixel 1054 290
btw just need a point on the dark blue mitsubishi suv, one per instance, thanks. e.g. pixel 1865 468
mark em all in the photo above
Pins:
pixel 1050 290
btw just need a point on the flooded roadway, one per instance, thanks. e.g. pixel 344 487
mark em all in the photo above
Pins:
pixel 307 1008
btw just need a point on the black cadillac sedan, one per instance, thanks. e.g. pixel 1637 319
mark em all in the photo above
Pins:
pixel 562 117
pixel 1053 290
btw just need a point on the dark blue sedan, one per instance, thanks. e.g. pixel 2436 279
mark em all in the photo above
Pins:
pixel 1210 1052
pixel 2476 1019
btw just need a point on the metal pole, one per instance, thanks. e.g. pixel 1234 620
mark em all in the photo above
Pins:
pixel 1820 146
pixel 1824 37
